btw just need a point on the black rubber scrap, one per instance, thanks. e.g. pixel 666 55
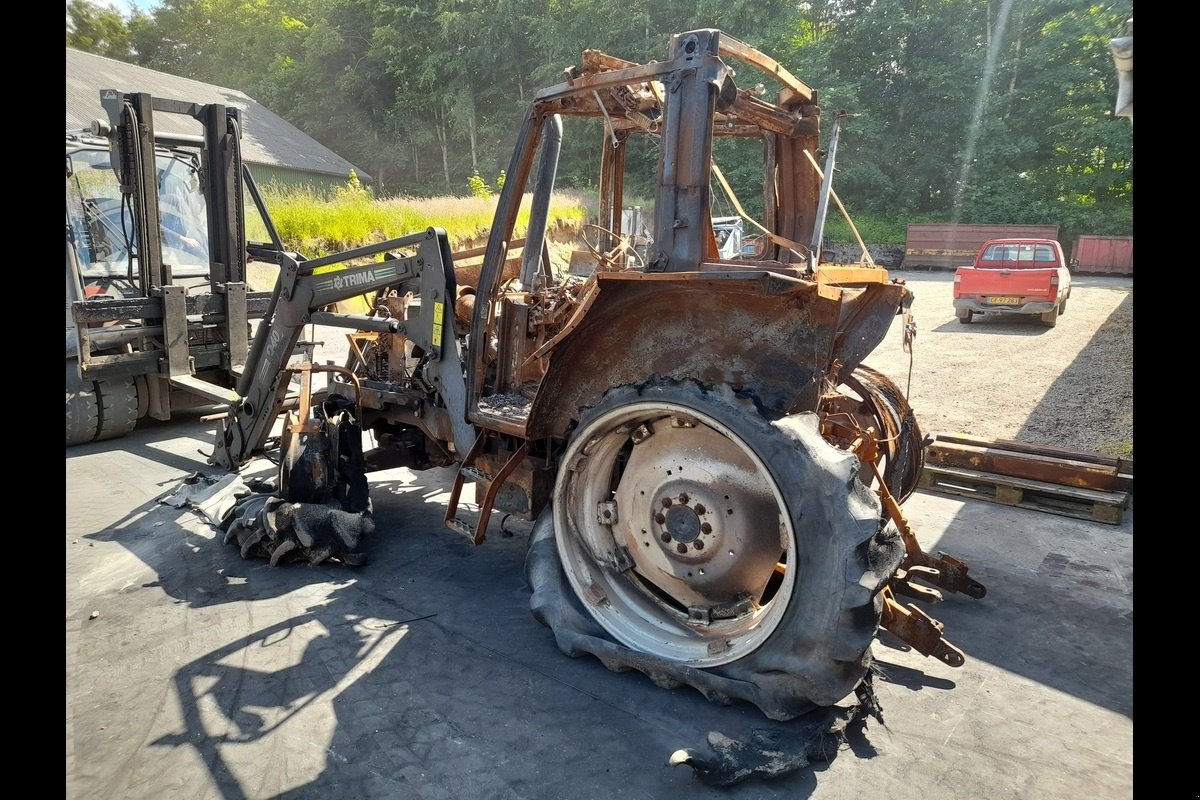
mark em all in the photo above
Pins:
pixel 781 750
pixel 313 523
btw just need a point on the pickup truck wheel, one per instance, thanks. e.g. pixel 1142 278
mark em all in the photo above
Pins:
pixel 712 541
pixel 964 315
pixel 1062 307
pixel 1050 318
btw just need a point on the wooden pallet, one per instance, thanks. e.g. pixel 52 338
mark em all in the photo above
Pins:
pixel 1069 501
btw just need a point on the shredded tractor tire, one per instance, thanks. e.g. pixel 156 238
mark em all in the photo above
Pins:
pixel 801 643
pixel 323 512
pixel 266 526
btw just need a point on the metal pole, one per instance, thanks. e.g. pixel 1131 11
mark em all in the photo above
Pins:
pixel 814 252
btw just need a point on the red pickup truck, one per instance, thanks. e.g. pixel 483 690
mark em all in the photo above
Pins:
pixel 1014 276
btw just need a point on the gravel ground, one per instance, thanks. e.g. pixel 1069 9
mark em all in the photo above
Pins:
pixel 1011 378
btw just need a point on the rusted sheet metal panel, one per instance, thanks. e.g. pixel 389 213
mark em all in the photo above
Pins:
pixel 1104 254
pixel 947 246
pixel 1049 469
pixel 766 333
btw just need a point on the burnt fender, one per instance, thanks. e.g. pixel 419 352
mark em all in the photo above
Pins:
pixel 771 335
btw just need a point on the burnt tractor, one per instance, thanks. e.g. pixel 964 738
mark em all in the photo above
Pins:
pixel 714 477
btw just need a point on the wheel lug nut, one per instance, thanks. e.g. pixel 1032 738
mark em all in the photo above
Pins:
pixel 699 508
pixel 681 547
pixel 683 498
pixel 698 544
pixel 666 537
pixel 705 528
pixel 666 502
pixel 660 519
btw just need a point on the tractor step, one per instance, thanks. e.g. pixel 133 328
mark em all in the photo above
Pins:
pixel 489 484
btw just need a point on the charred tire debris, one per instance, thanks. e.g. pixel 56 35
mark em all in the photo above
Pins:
pixel 314 515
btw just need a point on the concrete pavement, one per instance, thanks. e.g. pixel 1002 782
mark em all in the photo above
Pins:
pixel 193 673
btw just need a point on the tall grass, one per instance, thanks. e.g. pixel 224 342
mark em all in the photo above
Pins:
pixel 314 225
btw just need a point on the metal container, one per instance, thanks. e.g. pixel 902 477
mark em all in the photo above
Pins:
pixel 948 246
pixel 1103 254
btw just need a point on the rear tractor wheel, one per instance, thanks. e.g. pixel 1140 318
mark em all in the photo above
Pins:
pixel 696 531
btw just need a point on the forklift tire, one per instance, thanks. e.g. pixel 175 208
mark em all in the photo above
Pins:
pixel 98 410
pixel 83 408
pixel 713 547
pixel 118 407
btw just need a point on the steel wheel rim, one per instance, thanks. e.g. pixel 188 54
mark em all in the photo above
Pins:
pixel 700 563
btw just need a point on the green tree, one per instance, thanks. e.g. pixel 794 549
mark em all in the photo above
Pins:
pixel 97 29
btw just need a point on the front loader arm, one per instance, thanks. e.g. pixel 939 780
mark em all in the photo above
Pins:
pixel 298 299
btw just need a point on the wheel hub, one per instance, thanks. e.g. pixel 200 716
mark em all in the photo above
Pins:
pixel 682 525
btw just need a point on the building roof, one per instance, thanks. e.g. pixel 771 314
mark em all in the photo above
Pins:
pixel 267 138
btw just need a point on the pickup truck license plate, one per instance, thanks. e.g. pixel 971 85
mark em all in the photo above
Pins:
pixel 1004 300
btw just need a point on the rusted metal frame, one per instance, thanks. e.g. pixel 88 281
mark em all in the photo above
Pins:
pixel 918 629
pixel 550 145
pixel 789 186
pixel 475 252
pixel 597 61
pixel 612 178
pixel 774 237
pixel 945 571
pixel 901 435
pixel 801 92
pixel 450 520
pixel 586 298
pixel 770 196
pixel 585 84
pixel 633 109
pixel 766 116
pixel 306 369
pixel 491 483
pixel 871 311
pixel 493 488
pixel 682 199
pixel 866 255
pixel 507 207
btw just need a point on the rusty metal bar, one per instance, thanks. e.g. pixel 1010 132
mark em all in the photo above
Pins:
pixel 918 629
pixel 747 54
pixel 943 570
